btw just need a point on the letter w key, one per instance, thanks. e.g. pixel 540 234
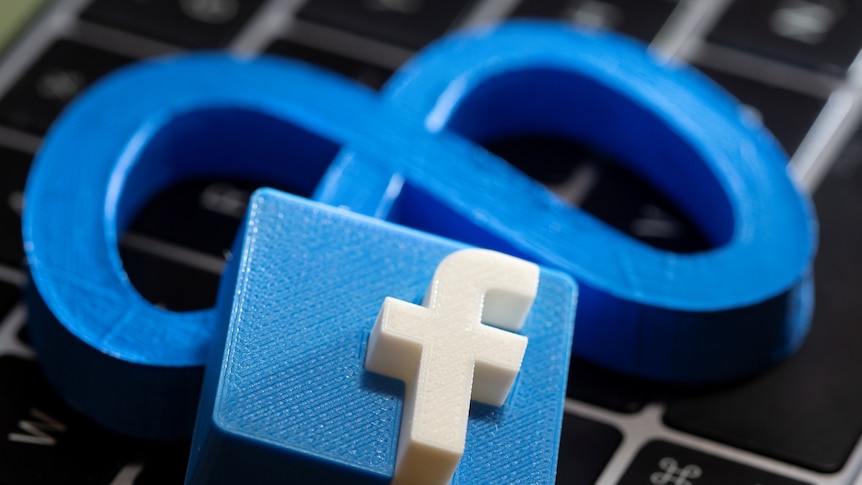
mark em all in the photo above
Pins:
pixel 287 397
pixel 35 430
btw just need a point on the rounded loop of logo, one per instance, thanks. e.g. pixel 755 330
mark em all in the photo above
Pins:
pixel 125 362
pixel 703 317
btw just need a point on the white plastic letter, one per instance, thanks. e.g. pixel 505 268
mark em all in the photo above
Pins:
pixel 445 355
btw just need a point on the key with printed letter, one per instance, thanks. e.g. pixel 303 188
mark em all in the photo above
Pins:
pixel 663 463
pixel 40 431
pixel 65 70
pixel 822 35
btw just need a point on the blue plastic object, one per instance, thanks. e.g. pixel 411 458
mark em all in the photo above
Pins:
pixel 681 318
pixel 126 363
pixel 411 156
pixel 286 397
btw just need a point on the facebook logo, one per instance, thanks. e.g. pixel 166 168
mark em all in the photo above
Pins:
pixel 445 355
pixel 358 351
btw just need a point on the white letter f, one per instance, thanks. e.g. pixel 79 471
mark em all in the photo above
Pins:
pixel 445 355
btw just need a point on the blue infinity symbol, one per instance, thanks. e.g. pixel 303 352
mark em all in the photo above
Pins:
pixel 411 155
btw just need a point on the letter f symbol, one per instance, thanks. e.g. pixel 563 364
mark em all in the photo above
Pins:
pixel 446 356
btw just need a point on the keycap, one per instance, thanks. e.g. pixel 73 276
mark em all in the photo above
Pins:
pixel 62 72
pixel 14 16
pixel 549 8
pixel 42 440
pixel 165 464
pixel 201 214
pixel 169 284
pixel 407 23
pixel 586 446
pixel 601 387
pixel 787 114
pixel 9 295
pixel 555 162
pixel 14 166
pixel 188 23
pixel 806 410
pixel 628 203
pixel 24 335
pixel 198 214
pixel 819 34
pixel 638 18
pixel 664 463
pixel 605 189
pixel 368 74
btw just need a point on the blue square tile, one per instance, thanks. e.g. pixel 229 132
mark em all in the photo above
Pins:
pixel 286 397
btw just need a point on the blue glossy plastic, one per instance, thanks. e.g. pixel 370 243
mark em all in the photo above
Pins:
pixel 286 396
pixel 411 156
pixel 705 317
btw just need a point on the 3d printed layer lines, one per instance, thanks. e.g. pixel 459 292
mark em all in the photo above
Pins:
pixel 445 355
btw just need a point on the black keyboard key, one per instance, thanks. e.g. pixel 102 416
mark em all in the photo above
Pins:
pixel 368 74
pixel 561 9
pixel 805 411
pixel 42 441
pixel 601 387
pixel 554 162
pixel 586 447
pixel 165 465
pixel 408 23
pixel 819 34
pixel 13 167
pixel 663 463
pixel 62 72
pixel 629 204
pixel 603 188
pixel 787 114
pixel 203 215
pixel 642 19
pixel 188 23
pixel 168 283
pixel 24 336
pixel 9 295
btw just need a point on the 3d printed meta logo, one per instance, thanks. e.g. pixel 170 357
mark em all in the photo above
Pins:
pixel 412 155
pixel 446 355
pixel 297 389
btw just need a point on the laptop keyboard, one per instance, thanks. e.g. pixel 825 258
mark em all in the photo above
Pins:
pixel 822 36
pixel 63 71
pixel 790 61
pixel 406 23
pixel 189 23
